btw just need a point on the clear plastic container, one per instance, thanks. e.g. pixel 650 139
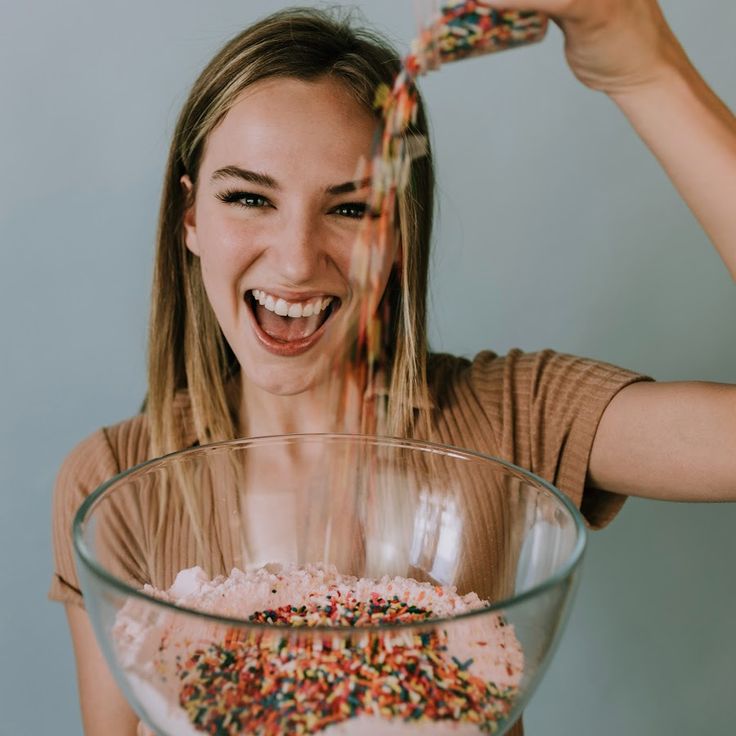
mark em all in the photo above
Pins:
pixel 450 30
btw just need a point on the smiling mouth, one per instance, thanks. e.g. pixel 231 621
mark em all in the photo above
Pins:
pixel 297 324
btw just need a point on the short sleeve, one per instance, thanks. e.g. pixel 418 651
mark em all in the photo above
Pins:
pixel 87 466
pixel 548 406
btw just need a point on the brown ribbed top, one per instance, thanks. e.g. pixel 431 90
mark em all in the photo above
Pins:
pixel 537 410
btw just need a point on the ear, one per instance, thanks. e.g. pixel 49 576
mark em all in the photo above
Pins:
pixel 190 225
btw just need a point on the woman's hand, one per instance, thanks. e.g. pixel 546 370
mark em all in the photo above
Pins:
pixel 611 45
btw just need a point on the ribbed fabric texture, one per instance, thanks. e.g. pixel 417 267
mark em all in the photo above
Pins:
pixel 537 410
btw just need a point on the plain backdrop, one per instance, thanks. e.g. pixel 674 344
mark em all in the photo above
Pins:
pixel 557 229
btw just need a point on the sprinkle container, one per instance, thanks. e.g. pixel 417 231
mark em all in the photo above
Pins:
pixel 450 30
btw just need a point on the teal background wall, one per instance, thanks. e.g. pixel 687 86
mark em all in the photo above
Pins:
pixel 557 229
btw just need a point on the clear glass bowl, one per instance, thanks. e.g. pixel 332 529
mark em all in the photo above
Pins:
pixel 259 654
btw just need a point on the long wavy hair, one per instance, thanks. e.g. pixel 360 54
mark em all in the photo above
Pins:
pixel 187 350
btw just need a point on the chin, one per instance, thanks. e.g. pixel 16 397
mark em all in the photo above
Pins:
pixel 288 381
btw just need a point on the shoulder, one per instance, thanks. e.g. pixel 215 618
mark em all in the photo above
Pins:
pixel 94 460
pixel 523 405
pixel 489 375
pixel 539 410
pixel 115 448
pixel 97 458
pixel 102 454
pixel 528 373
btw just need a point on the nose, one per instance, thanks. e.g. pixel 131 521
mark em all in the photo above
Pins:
pixel 297 248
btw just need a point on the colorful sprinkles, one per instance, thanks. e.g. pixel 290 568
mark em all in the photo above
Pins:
pixel 449 30
pixel 395 148
pixel 268 684
pixel 273 683
pixel 462 28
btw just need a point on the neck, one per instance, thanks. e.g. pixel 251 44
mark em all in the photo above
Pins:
pixel 316 410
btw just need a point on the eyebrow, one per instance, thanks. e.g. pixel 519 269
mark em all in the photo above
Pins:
pixel 264 180
pixel 254 177
pixel 348 186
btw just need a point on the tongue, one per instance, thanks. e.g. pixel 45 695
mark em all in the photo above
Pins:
pixel 287 329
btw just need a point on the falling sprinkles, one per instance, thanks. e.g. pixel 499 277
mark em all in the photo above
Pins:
pixel 448 31
pixel 270 683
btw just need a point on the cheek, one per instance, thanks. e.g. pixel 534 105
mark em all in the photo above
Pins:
pixel 224 248
pixel 223 260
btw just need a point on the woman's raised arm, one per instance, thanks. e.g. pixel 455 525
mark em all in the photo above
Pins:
pixel 673 441
pixel 626 49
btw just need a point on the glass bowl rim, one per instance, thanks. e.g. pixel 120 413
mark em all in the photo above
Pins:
pixel 87 559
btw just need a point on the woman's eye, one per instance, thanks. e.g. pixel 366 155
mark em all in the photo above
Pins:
pixel 356 210
pixel 244 199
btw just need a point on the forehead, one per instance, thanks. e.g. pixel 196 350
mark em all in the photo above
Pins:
pixel 293 124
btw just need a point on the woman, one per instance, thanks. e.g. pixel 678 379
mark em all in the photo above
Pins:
pixel 252 290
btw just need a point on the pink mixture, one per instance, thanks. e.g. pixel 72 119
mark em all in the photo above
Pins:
pixel 192 676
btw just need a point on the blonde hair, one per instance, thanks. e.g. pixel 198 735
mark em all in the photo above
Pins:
pixel 187 350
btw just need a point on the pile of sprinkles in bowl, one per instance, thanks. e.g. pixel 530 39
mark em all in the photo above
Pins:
pixel 270 683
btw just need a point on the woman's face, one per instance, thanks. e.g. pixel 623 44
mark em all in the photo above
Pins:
pixel 276 215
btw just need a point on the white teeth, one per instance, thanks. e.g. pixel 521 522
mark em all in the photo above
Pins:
pixel 291 309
